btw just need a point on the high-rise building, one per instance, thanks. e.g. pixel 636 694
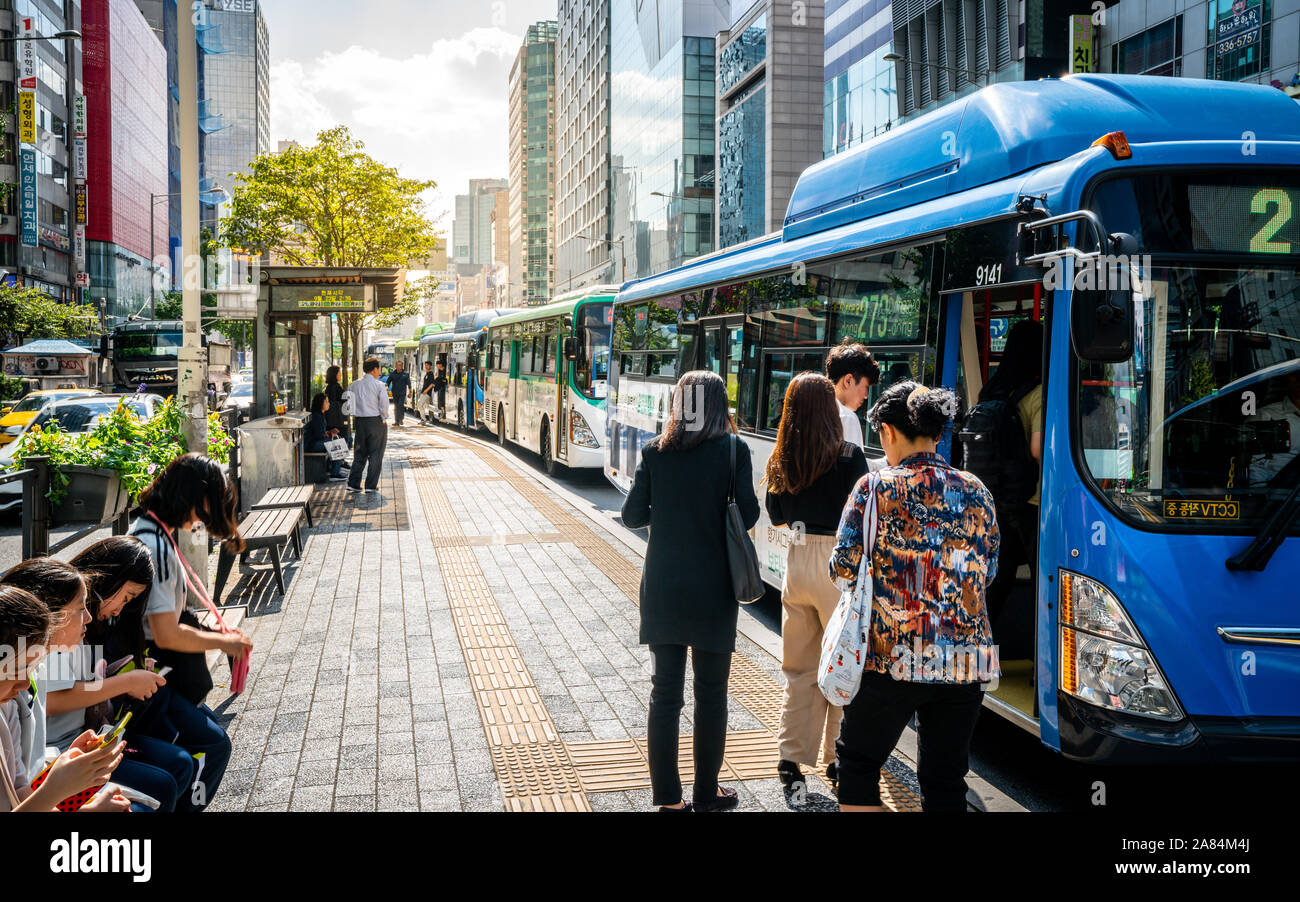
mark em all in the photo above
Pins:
pixel 662 128
pixel 36 238
pixel 769 113
pixel 124 70
pixel 582 196
pixel 234 70
pixel 471 228
pixel 532 168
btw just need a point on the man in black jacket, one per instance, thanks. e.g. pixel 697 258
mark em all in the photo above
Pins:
pixel 426 389
pixel 399 386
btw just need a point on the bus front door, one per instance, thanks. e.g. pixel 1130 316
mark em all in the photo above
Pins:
pixel 723 340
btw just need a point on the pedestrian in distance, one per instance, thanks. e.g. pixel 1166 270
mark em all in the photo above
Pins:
pixel 440 389
pixel 192 491
pixel 370 407
pixel 929 645
pixel 680 491
pixel 809 477
pixel 25 631
pixel 318 433
pixel 425 400
pixel 852 370
pixel 399 386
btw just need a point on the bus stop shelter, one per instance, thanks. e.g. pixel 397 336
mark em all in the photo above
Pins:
pixel 294 306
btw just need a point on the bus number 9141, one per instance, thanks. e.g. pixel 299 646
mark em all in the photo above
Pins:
pixel 990 274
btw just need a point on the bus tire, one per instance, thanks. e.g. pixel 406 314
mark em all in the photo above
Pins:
pixel 501 425
pixel 548 459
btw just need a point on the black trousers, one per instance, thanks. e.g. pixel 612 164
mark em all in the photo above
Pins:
pixel 667 681
pixel 368 451
pixel 399 412
pixel 873 721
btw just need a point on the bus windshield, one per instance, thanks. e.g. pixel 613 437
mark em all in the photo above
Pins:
pixel 141 345
pixel 1200 429
pixel 591 370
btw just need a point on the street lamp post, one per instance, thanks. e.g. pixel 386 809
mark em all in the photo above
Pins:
pixel 153 292
pixel 899 58
pixel 622 251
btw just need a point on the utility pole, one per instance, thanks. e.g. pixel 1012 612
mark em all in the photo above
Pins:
pixel 192 365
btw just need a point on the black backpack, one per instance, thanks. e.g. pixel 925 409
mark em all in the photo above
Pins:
pixel 994 449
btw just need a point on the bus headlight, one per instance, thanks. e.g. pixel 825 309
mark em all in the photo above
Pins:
pixel 580 433
pixel 1103 659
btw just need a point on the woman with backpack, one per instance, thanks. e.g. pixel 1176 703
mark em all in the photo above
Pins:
pixel 933 546
pixel 1010 468
pixel 811 472
pixel 680 491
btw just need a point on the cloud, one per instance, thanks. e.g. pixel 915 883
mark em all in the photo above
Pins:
pixel 438 115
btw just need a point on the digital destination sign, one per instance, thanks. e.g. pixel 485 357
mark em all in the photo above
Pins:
pixel 1245 219
pixel 348 298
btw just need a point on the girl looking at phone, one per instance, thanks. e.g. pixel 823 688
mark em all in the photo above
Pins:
pixel 191 491
pixel 25 626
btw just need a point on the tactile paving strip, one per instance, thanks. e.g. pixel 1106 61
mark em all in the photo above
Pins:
pixel 531 763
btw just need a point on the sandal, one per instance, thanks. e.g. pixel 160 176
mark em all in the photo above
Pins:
pixel 726 799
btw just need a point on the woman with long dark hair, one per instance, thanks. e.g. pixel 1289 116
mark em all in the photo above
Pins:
pixel 79 691
pixel 318 432
pixel 687 600
pixel 929 646
pixel 810 474
pixel 192 490
pixel 334 418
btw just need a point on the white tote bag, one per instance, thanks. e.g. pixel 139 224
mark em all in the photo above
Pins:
pixel 845 642
pixel 337 449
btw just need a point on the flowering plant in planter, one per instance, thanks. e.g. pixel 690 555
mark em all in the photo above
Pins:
pixel 136 450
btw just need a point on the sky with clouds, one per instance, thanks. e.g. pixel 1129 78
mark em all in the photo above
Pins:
pixel 422 82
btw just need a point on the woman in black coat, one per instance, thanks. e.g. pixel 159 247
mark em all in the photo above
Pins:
pixel 687 600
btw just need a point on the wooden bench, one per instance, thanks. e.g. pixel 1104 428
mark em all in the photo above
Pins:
pixel 263 529
pixel 288 496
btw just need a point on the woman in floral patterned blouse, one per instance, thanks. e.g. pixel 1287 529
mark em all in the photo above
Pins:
pixel 930 643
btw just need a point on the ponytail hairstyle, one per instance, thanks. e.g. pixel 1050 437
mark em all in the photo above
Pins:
pixel 194 485
pixel 914 410
pixel 108 565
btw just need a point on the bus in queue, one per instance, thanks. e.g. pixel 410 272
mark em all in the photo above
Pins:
pixel 383 352
pixel 1162 260
pixel 459 349
pixel 407 352
pixel 546 372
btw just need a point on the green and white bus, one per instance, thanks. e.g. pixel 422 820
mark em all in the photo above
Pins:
pixel 545 375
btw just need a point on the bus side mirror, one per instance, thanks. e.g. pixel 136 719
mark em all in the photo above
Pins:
pixel 1101 325
pixel 472 360
pixel 571 348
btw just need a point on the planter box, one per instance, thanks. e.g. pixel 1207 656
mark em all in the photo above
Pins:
pixel 93 496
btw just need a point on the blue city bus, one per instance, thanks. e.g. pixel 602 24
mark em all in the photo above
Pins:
pixel 1153 226
pixel 461 349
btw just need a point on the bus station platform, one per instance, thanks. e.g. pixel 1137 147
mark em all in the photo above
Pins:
pixel 466 640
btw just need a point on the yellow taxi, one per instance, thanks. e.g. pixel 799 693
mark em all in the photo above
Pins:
pixel 22 413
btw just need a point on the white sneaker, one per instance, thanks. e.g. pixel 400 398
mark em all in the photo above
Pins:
pixel 372 491
pixel 354 491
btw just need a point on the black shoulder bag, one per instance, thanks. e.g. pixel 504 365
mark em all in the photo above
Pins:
pixel 746 579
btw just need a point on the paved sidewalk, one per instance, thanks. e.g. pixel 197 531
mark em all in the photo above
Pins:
pixel 467 641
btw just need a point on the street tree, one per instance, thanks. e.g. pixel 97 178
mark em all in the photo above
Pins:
pixel 332 204
pixel 27 314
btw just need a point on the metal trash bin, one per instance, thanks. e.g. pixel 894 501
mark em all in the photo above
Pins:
pixel 270 455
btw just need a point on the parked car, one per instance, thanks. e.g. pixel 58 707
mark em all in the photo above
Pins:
pixel 241 399
pixel 14 423
pixel 80 414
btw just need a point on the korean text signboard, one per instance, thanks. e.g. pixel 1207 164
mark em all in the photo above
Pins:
pixel 27 55
pixel 27 117
pixel 81 205
pixel 79 246
pixel 1081 57
pixel 79 116
pixel 79 159
pixel 349 298
pixel 27 196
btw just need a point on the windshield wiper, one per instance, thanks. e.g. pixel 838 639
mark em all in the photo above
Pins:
pixel 1259 552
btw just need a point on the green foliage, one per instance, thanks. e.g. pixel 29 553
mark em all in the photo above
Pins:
pixel 10 387
pixel 169 306
pixel 27 314
pixel 332 204
pixel 135 449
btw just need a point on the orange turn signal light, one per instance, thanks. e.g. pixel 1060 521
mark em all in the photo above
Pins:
pixel 1116 143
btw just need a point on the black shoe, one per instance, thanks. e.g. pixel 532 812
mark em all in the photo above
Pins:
pixel 833 776
pixel 788 773
pixel 665 808
pixel 728 799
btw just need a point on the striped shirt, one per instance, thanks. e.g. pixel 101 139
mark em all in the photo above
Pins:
pixel 936 552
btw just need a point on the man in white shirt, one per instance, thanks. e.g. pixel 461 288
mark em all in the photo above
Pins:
pixel 369 408
pixel 852 370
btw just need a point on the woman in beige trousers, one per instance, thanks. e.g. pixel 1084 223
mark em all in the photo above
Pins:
pixel 810 475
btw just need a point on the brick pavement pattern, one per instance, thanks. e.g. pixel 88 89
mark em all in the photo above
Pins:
pixel 466 640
